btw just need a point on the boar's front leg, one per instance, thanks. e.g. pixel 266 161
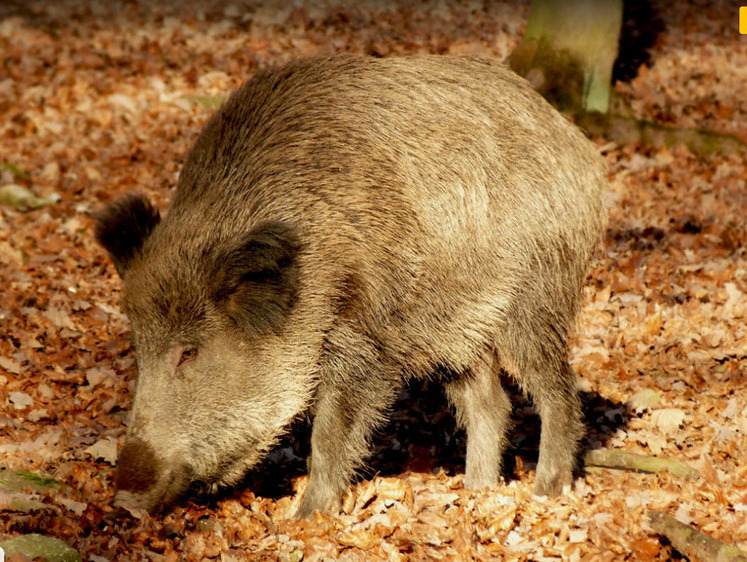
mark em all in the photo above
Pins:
pixel 354 392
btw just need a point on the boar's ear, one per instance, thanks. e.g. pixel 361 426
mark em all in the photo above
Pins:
pixel 122 227
pixel 257 279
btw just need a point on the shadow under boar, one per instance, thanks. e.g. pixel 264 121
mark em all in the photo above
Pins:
pixel 342 224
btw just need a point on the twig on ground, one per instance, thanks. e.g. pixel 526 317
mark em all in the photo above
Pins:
pixel 693 543
pixel 630 461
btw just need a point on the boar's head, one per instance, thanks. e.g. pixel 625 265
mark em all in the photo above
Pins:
pixel 213 389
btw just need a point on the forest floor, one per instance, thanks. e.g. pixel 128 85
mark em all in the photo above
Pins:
pixel 99 99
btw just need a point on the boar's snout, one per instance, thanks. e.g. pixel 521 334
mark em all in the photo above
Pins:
pixel 146 481
pixel 137 466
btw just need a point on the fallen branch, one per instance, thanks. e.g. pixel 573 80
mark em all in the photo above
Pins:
pixel 21 198
pixel 210 103
pixel 628 130
pixel 608 458
pixel 691 542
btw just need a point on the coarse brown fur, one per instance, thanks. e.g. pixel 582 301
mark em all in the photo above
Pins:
pixel 342 224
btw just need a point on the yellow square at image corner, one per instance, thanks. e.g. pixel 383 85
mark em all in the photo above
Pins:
pixel 743 20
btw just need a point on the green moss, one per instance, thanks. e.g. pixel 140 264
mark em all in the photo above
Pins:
pixel 16 481
pixel 554 73
pixel 17 172
pixel 38 546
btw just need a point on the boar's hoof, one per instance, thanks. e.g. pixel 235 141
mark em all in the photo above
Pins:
pixel 311 503
pixel 303 513
pixel 554 486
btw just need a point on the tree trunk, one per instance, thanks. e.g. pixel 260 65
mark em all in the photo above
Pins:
pixel 568 51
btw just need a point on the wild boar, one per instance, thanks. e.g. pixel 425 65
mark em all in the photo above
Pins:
pixel 341 225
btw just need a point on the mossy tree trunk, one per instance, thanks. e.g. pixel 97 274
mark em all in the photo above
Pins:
pixel 568 51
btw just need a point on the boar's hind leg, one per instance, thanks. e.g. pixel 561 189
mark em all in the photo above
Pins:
pixel 349 406
pixel 484 410
pixel 553 390
pixel 533 348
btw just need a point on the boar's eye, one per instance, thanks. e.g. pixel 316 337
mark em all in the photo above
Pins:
pixel 187 355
